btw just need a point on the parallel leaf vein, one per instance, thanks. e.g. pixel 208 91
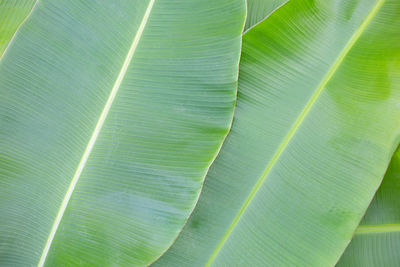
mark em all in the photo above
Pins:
pixel 19 26
pixel 297 124
pixel 95 133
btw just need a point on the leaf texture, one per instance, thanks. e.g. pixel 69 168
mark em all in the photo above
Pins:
pixel 376 242
pixel 12 15
pixel 316 123
pixel 258 10
pixel 111 113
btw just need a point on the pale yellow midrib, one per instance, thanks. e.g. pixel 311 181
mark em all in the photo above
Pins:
pixel 95 134
pixel 382 228
pixel 296 125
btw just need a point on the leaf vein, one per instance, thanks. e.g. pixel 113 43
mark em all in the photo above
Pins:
pixel 382 228
pixel 296 125
pixel 95 134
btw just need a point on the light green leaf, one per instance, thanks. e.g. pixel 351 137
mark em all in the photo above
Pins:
pixel 258 10
pixel 376 242
pixel 111 113
pixel 316 123
pixel 12 15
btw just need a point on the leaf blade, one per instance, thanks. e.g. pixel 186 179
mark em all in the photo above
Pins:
pixel 283 60
pixel 376 240
pixel 259 10
pixel 144 173
pixel 12 16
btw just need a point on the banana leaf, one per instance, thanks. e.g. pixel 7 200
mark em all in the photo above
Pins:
pixel 376 241
pixel 111 113
pixel 258 10
pixel 316 123
pixel 12 14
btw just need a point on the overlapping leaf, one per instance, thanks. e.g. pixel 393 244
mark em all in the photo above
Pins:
pixel 111 113
pixel 12 14
pixel 258 10
pixel 376 242
pixel 316 123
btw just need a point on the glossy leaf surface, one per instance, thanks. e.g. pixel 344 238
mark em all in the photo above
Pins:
pixel 376 241
pixel 316 123
pixel 12 14
pixel 111 113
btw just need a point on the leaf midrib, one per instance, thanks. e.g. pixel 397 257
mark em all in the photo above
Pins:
pixel 297 124
pixel 95 133
pixel 380 228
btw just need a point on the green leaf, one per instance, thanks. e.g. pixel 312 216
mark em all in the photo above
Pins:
pixel 12 15
pixel 316 123
pixel 377 239
pixel 258 10
pixel 111 113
